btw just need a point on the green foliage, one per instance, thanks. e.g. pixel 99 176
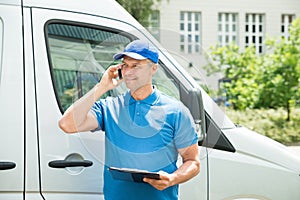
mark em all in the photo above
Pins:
pixel 270 80
pixel 281 72
pixel 139 9
pixel 269 122
pixel 240 70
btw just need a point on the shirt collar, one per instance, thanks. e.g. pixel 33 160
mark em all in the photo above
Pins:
pixel 150 100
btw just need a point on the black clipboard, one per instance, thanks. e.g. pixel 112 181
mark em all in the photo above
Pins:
pixel 134 175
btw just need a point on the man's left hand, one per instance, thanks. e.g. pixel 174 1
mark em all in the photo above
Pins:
pixel 165 181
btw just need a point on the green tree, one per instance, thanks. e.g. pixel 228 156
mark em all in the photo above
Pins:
pixel 281 75
pixel 271 80
pixel 240 71
pixel 139 9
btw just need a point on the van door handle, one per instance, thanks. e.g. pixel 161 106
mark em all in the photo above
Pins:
pixel 7 165
pixel 68 163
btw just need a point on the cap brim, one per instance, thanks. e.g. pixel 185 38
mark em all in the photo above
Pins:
pixel 129 54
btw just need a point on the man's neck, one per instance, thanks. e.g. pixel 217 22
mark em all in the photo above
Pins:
pixel 142 92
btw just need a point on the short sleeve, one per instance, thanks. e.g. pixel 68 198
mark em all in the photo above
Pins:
pixel 185 132
pixel 97 110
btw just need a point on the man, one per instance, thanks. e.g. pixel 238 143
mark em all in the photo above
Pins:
pixel 144 128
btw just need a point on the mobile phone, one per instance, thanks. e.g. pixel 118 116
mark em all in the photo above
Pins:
pixel 120 73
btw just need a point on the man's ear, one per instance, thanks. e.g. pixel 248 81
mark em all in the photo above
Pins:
pixel 154 68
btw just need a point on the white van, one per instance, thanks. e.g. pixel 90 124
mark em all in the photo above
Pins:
pixel 51 53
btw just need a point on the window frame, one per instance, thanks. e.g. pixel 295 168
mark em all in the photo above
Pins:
pixel 131 37
pixel 255 31
pixel 286 22
pixel 223 24
pixel 188 23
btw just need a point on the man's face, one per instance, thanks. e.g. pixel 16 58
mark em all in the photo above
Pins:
pixel 137 73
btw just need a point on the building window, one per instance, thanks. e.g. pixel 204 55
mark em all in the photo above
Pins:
pixel 286 21
pixel 227 28
pixel 254 29
pixel 190 29
pixel 154 24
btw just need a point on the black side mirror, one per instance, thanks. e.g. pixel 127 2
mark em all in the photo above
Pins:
pixel 193 100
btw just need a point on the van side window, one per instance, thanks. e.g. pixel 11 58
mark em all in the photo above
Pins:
pixel 165 82
pixel 79 55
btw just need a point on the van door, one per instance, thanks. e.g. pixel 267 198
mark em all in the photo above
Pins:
pixel 71 52
pixel 11 104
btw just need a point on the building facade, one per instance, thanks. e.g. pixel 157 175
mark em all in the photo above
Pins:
pixel 188 28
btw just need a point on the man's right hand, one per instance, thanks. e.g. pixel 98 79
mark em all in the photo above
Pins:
pixel 109 79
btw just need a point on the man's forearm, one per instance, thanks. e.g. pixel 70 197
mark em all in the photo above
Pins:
pixel 190 166
pixel 77 117
pixel 186 171
pixel 77 113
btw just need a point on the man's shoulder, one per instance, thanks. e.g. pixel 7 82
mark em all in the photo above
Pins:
pixel 167 98
pixel 173 103
pixel 170 102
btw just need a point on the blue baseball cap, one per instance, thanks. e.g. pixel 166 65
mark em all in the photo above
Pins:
pixel 139 50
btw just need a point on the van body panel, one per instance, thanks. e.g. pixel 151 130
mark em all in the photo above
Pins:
pixel 32 172
pixel 84 181
pixel 256 157
pixel 11 2
pixel 197 187
pixel 265 148
pixel 265 180
pixel 11 102
pixel 104 8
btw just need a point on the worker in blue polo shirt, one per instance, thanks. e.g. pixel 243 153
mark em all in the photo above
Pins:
pixel 144 128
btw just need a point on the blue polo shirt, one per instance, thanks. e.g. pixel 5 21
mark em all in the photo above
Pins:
pixel 143 134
